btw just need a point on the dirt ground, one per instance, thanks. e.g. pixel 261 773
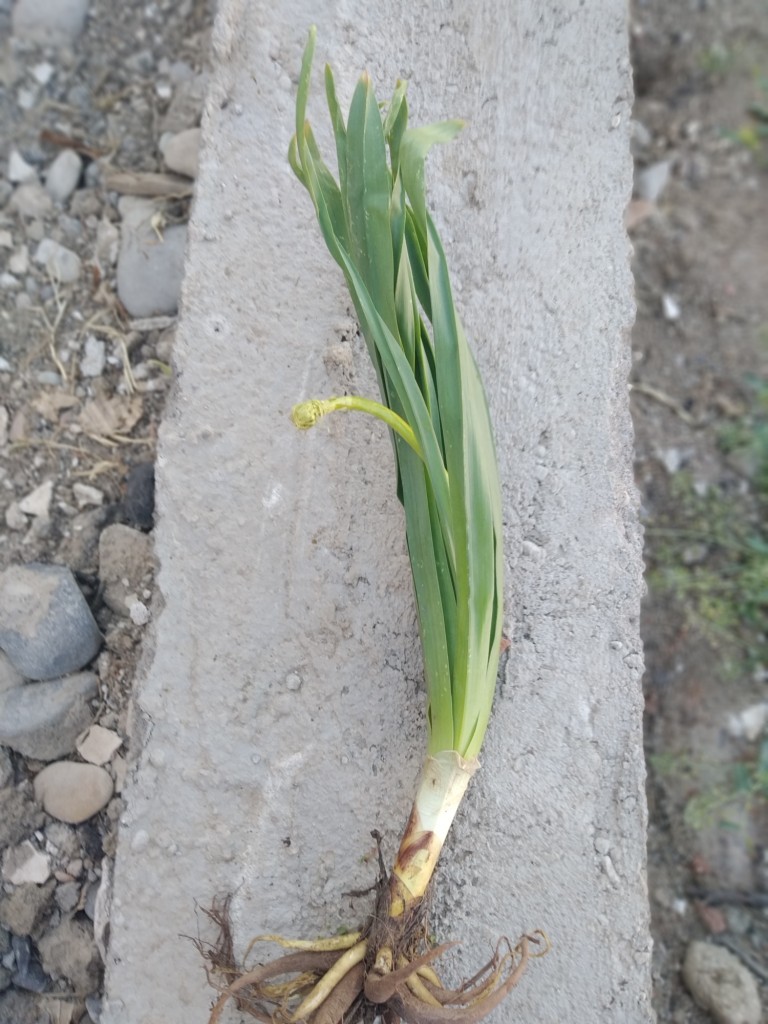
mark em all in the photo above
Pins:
pixel 700 403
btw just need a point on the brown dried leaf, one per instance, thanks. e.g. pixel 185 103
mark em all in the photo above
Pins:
pixel 116 415
pixel 50 403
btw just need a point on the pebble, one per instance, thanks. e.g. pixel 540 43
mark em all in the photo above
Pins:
pixel 63 175
pixel 29 975
pixel 19 171
pixel 107 243
pixel 651 182
pixel 61 263
pixel 46 626
pixel 44 720
pixel 73 792
pixel 68 951
pixel 186 105
pixel 18 262
pixel 15 518
pixel 98 745
pixel 181 152
pixel 42 21
pixel 9 676
pixel 23 910
pixel 67 896
pixel 138 613
pixel 149 271
pixel 721 984
pixel 26 864
pixel 125 558
pixel 670 307
pixel 31 201
pixel 38 502
pixel 749 723
pixel 94 357
pixel 87 496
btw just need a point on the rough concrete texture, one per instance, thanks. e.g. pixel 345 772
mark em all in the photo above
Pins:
pixel 283 703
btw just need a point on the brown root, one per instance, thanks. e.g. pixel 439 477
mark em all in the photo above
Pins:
pixel 335 986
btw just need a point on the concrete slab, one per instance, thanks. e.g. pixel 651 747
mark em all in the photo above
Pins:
pixel 282 708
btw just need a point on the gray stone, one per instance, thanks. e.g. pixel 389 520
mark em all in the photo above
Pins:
pixel 125 563
pixel 63 175
pixel 61 263
pixel 43 720
pixel 67 896
pixel 69 952
pixel 10 677
pixel 23 910
pixel 46 627
pixel 721 984
pixel 51 22
pixel 29 974
pixel 651 181
pixel 31 201
pixel 186 106
pixel 73 792
pixel 149 269
pixel 20 1008
pixel 19 814
pixel 181 152
pixel 38 501
pixel 25 863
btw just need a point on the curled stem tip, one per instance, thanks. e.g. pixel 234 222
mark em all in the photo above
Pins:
pixel 306 414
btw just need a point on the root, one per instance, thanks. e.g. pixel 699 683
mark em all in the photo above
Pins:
pixel 339 980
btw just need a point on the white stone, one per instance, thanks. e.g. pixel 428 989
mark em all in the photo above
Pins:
pixel 15 518
pixel 181 152
pixel 31 201
pixel 19 171
pixel 139 613
pixel 43 72
pixel 18 262
pixel 107 243
pixel 651 182
pixel 86 496
pixel 61 263
pixel 6 239
pixel 63 175
pixel 98 745
pixel 38 502
pixel 749 723
pixel 94 357
pixel 8 282
pixel 670 307
pixel 54 22
pixel 25 864
pixel 73 792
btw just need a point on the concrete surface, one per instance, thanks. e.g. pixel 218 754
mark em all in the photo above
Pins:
pixel 282 706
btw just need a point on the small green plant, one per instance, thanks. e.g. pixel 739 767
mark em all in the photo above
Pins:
pixel 378 229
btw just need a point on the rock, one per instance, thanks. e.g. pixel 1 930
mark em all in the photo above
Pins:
pixel 94 357
pixel 61 263
pixel 98 745
pixel 15 518
pixel 19 814
pixel 721 984
pixel 149 271
pixel 20 1008
pixel 80 550
pixel 73 792
pixel 4 421
pixel 9 676
pixel 181 152
pixel 670 307
pixel 107 243
pixel 651 182
pixel 19 170
pixel 186 105
pixel 50 22
pixel 46 627
pixel 67 896
pixel 43 720
pixel 125 559
pixel 6 768
pixel 29 974
pixel 750 722
pixel 69 952
pixel 30 200
pixel 18 263
pixel 63 175
pixel 86 496
pixel 23 910
pixel 25 863
pixel 38 502
pixel 138 506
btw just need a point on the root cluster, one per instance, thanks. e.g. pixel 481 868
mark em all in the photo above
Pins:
pixel 384 971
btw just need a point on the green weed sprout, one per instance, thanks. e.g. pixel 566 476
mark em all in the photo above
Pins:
pixel 377 227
